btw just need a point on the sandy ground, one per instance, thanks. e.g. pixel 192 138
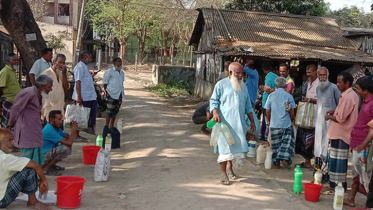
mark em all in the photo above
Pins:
pixel 165 163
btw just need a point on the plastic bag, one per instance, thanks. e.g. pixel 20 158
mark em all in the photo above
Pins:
pixel 102 166
pixel 215 134
pixel 306 115
pixel 78 114
pixel 227 134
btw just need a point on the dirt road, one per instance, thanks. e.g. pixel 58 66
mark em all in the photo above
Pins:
pixel 165 163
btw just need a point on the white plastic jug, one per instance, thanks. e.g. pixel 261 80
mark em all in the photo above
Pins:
pixel 120 125
pixel 318 177
pixel 215 134
pixel 338 197
pixel 261 154
pixel 268 161
pixel 252 148
pixel 227 134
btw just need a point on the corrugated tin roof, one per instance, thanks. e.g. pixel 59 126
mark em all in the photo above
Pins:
pixel 280 36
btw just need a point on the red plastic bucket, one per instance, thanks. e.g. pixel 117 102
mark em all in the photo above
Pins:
pixel 69 191
pixel 90 154
pixel 312 191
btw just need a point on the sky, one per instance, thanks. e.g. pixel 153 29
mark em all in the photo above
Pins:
pixel 337 4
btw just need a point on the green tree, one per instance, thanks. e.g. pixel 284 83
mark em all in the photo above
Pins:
pixel 56 42
pixel 352 17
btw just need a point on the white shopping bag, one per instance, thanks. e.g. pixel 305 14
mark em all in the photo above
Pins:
pixel 102 166
pixel 77 114
pixel 306 115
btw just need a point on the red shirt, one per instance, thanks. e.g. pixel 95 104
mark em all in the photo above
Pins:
pixel 361 128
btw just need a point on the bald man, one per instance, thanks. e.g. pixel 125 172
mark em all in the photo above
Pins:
pixel 229 104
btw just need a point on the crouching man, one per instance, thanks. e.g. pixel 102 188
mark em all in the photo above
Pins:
pixel 57 144
pixel 19 174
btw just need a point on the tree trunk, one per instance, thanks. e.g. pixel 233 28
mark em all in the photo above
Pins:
pixel 172 54
pixel 18 20
pixel 123 49
pixel 165 52
pixel 142 39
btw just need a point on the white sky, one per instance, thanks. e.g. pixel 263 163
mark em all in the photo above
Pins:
pixel 337 4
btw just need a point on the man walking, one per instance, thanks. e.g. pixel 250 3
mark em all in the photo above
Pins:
pixel 9 86
pixel 280 113
pixel 25 118
pixel 251 81
pixel 229 104
pixel 113 85
pixel 84 89
pixel 41 64
pixel 342 121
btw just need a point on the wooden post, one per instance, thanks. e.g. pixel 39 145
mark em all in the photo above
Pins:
pixel 213 38
pixel 79 35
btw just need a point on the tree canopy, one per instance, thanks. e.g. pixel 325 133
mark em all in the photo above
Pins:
pixel 352 17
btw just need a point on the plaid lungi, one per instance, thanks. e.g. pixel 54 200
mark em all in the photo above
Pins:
pixel 60 152
pixel 35 154
pixel 338 160
pixel 360 177
pixel 5 115
pixel 25 181
pixel 113 105
pixel 282 144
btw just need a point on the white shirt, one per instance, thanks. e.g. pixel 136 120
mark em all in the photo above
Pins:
pixel 311 89
pixel 39 67
pixel 114 80
pixel 10 165
pixel 81 73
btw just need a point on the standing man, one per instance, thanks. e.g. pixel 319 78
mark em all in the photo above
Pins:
pixel 84 89
pixel 113 85
pixel 304 85
pixel 229 104
pixel 342 121
pixel 269 87
pixel 284 72
pixel 358 134
pixel 306 137
pixel 280 113
pixel 252 81
pixel 25 118
pixel 41 64
pixel 327 99
pixel 55 100
pixel 9 86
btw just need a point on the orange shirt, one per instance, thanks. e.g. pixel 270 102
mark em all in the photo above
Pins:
pixel 346 115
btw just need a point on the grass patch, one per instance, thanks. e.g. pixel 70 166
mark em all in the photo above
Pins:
pixel 173 90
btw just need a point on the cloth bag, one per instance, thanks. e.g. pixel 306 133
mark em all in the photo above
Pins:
pixel 115 137
pixel 78 114
pixel 306 115
pixel 102 166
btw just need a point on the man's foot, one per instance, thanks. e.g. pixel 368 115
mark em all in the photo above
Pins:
pixel 305 165
pixel 276 166
pixel 348 202
pixel 52 172
pixel 266 143
pixel 231 174
pixel 224 180
pixel 286 164
pixel 58 168
pixel 37 205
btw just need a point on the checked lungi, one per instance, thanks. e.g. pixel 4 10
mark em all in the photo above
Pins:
pixel 60 152
pixel 282 144
pixel 338 162
pixel 25 181
pixel 113 105
pixel 5 115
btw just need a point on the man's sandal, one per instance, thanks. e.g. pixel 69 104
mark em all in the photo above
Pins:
pixel 224 180
pixel 231 174
pixel 52 172
pixel 58 168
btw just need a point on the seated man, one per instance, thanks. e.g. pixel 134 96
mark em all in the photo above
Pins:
pixel 57 143
pixel 201 116
pixel 19 174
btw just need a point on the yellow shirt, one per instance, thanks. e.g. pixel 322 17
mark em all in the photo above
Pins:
pixel 9 83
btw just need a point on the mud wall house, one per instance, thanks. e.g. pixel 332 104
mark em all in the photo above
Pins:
pixel 223 35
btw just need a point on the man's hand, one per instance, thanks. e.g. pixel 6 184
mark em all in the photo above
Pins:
pixel 253 127
pixel 64 69
pixel 266 88
pixel 304 99
pixel 74 126
pixel 208 115
pixel 79 101
pixel 43 187
pixel 359 148
pixel 9 127
pixel 216 116
pixel 327 117
pixel 331 112
pixel 261 87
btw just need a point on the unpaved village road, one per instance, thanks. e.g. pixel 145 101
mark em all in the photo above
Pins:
pixel 165 163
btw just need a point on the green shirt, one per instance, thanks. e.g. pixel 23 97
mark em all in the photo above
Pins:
pixel 9 83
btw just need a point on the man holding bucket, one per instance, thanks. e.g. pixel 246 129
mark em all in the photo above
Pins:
pixel 19 174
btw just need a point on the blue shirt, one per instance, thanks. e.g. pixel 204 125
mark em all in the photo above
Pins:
pixel 252 83
pixel 280 118
pixel 270 81
pixel 81 73
pixel 52 137
pixel 39 67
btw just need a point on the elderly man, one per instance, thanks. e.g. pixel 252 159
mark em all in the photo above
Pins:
pixel 229 104
pixel 280 112
pixel 25 118
pixel 224 73
pixel 41 64
pixel 358 134
pixel 284 72
pixel 55 100
pixel 306 137
pixel 19 174
pixel 342 121
pixel 9 86
pixel 251 81
pixel 113 85
pixel 327 99
pixel 57 144
pixel 84 89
